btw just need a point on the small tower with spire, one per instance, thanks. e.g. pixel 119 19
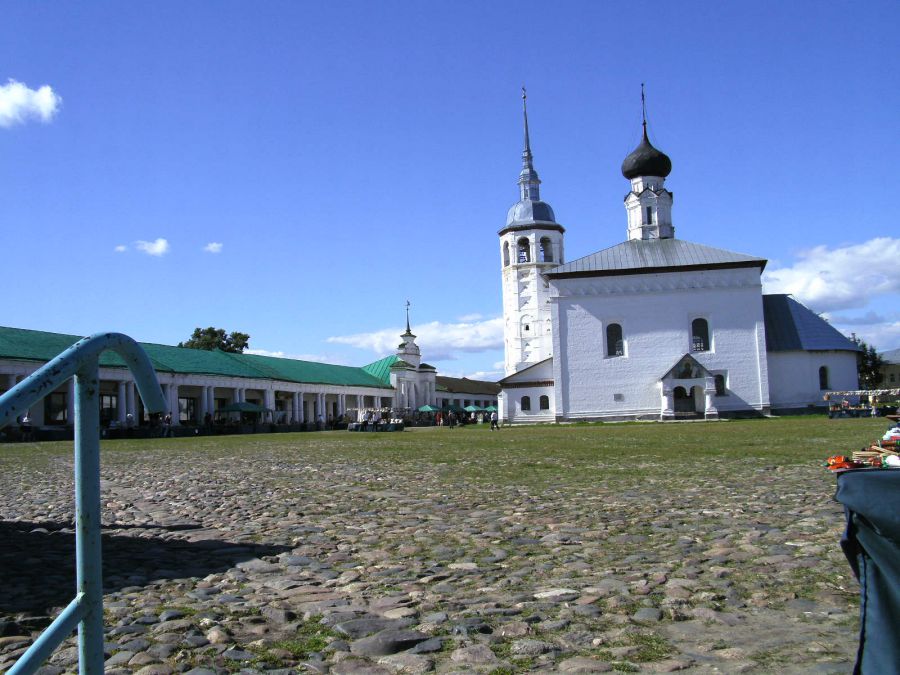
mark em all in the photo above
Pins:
pixel 530 244
pixel 649 204
pixel 408 350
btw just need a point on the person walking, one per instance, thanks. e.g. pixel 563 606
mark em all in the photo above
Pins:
pixel 494 424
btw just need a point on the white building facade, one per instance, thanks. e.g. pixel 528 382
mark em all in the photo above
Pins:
pixel 654 327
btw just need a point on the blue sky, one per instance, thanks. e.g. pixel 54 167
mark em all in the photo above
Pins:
pixel 349 156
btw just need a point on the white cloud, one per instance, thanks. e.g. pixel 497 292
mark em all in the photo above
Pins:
pixel 18 103
pixel 158 248
pixel 438 341
pixel 846 277
pixel 121 248
pixel 318 358
pixel 884 335
pixel 213 247
pixel 470 317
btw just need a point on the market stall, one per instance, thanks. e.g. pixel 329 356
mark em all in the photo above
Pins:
pixel 862 402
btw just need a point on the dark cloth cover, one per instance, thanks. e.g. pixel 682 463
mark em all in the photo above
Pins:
pixel 871 499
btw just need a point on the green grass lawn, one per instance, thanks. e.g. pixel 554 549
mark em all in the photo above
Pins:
pixel 570 454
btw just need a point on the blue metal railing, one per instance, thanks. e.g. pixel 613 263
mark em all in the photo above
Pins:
pixel 81 360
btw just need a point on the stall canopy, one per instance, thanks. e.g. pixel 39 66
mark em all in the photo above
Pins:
pixel 427 408
pixel 473 408
pixel 491 408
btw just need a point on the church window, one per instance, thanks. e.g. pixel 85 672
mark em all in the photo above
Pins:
pixel 615 346
pixel 699 335
pixel 546 250
pixel 524 251
pixel 526 403
pixel 505 253
pixel 649 215
pixel 893 378
pixel 823 378
pixel 720 385
pixel 544 402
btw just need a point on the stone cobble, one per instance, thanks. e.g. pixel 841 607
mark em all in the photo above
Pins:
pixel 290 560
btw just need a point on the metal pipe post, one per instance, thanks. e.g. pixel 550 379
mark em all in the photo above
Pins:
pixel 87 516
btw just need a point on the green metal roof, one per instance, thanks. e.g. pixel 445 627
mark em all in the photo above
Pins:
pixel 33 345
pixel 294 370
pixel 381 369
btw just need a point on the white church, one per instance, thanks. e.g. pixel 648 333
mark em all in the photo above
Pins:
pixel 654 327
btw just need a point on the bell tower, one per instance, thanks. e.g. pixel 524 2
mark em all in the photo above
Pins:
pixel 649 204
pixel 530 244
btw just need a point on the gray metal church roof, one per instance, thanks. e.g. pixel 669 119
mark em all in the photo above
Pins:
pixel 792 327
pixel 654 255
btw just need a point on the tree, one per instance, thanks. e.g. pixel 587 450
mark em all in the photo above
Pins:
pixel 215 338
pixel 868 364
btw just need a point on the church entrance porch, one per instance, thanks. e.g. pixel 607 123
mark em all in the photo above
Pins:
pixel 687 391
pixel 685 402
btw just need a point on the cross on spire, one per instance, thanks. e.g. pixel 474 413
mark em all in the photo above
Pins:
pixel 643 109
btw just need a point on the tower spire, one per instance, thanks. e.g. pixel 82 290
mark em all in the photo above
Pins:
pixel 528 178
pixel 408 331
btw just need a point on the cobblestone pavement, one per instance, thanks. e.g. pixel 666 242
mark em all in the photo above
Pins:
pixel 300 555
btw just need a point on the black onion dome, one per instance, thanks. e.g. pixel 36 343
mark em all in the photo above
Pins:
pixel 645 160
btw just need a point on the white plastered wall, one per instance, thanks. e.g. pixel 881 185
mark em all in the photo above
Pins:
pixel 656 311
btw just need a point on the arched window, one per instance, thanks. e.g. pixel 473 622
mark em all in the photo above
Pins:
pixel 615 346
pixel 720 385
pixel 699 335
pixel 505 253
pixel 546 250
pixel 528 327
pixel 526 403
pixel 544 402
pixel 823 378
pixel 524 250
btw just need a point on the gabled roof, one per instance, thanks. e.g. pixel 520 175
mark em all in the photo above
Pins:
pixel 381 369
pixel 644 256
pixel 33 345
pixel 464 385
pixel 518 373
pixel 792 327
pixel 677 371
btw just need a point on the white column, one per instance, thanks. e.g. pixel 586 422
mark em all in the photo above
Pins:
pixel 294 405
pixel 668 402
pixel 211 402
pixel 121 403
pixel 301 408
pixel 173 397
pixel 711 411
pixel 131 401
